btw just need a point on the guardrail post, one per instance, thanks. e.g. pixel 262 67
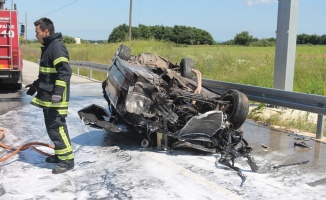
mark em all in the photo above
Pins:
pixel 78 71
pixel 320 127
pixel 90 73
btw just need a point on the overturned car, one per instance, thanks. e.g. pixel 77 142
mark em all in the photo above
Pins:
pixel 162 102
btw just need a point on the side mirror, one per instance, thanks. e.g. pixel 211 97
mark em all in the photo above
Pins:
pixel 22 28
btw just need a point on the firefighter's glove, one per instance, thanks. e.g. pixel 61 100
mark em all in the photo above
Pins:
pixel 56 98
pixel 31 91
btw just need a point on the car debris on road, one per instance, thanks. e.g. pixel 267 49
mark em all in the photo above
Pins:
pixel 302 145
pixel 292 164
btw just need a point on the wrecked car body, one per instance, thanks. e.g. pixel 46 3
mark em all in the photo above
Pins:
pixel 160 101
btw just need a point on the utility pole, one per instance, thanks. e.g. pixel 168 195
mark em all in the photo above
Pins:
pixel 26 25
pixel 130 16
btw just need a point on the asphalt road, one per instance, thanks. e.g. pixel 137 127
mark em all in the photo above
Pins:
pixel 114 166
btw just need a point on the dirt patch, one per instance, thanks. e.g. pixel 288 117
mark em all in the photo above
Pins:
pixel 288 114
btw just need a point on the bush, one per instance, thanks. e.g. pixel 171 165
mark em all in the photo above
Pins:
pixel 262 43
pixel 243 38
pixel 68 40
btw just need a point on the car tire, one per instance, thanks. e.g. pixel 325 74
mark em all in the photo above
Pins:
pixel 186 65
pixel 123 52
pixel 239 107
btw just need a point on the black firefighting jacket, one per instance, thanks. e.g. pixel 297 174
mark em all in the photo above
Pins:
pixel 54 75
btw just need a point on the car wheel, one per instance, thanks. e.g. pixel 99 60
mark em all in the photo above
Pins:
pixel 123 52
pixel 237 109
pixel 186 65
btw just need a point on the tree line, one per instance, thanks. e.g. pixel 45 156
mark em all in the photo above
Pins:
pixel 192 35
pixel 311 39
pixel 176 34
pixel 245 39
pixel 188 35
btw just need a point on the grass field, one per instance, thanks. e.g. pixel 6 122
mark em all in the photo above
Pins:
pixel 238 64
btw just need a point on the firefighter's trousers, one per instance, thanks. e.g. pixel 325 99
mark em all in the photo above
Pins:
pixel 58 133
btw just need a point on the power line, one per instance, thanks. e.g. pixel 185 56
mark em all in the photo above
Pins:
pixel 56 10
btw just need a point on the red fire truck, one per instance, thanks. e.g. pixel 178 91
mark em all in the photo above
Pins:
pixel 11 63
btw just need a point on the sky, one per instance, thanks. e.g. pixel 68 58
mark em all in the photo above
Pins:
pixel 223 19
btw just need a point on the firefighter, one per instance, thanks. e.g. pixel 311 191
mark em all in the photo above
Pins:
pixel 52 92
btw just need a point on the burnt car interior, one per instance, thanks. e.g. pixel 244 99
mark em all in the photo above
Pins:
pixel 166 105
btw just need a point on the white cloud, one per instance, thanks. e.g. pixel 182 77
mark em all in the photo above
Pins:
pixel 254 2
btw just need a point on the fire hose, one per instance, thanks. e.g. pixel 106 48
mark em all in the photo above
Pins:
pixel 21 148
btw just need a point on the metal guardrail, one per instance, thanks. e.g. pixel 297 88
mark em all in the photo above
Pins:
pixel 295 100
pixel 90 66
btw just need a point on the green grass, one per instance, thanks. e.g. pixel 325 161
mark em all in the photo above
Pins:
pixel 237 64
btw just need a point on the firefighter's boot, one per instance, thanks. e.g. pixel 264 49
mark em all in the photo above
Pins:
pixel 63 166
pixel 52 159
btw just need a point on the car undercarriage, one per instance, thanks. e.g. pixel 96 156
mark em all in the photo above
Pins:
pixel 162 103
